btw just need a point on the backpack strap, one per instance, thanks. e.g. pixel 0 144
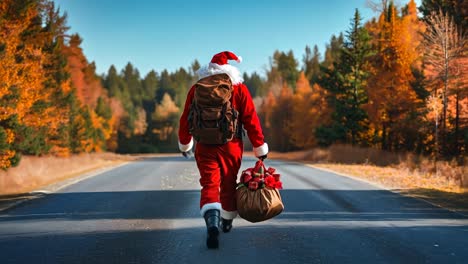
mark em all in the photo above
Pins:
pixel 224 123
pixel 235 116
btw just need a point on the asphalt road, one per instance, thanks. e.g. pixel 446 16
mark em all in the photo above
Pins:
pixel 147 212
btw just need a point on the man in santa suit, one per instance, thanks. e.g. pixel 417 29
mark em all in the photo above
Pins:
pixel 219 164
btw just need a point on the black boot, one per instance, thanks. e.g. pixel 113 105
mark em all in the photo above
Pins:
pixel 212 226
pixel 227 225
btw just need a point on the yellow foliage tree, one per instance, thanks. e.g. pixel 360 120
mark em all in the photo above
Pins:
pixel 21 75
pixel 166 115
pixel 391 96
pixel 301 126
pixel 281 120
pixel 309 111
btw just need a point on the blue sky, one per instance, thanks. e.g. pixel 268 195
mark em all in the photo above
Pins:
pixel 154 34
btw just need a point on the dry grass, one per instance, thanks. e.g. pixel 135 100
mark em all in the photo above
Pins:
pixel 36 172
pixel 392 170
pixel 396 177
pixel 408 174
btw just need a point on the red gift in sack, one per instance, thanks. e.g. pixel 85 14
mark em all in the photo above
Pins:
pixel 277 177
pixel 259 199
pixel 247 178
pixel 271 170
pixel 253 185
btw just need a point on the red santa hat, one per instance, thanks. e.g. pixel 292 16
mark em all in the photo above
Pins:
pixel 223 57
pixel 219 64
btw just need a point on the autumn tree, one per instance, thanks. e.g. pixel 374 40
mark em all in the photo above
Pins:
pixel 393 102
pixel 445 47
pixel 281 121
pixel 166 117
pixel 91 120
pixel 50 33
pixel 309 112
pixel 117 85
pixel 22 75
pixel 265 113
pixel 274 80
pixel 300 125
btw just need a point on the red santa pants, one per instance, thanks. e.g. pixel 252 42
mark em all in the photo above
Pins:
pixel 218 166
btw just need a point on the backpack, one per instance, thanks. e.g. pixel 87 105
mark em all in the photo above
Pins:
pixel 212 119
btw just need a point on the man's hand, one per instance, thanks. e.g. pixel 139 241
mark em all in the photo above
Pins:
pixel 262 157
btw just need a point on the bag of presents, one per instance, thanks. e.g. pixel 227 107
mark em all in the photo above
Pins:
pixel 258 198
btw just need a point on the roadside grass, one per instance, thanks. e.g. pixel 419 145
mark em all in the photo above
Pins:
pixel 36 172
pixel 396 177
pixel 411 175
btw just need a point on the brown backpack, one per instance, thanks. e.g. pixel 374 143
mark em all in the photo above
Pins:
pixel 212 119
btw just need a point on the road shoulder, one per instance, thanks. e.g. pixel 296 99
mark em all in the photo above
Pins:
pixel 9 201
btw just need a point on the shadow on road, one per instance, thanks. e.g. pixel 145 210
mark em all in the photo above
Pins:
pixel 303 205
pixel 317 226
pixel 164 226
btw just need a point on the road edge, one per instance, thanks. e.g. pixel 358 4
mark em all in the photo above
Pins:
pixel 52 188
pixel 377 185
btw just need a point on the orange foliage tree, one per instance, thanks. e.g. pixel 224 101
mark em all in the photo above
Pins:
pixel 42 109
pixel 92 96
pixel 21 75
pixel 281 120
pixel 309 111
pixel 165 116
pixel 392 99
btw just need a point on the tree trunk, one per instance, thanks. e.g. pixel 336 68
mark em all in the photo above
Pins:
pixel 457 122
pixel 443 142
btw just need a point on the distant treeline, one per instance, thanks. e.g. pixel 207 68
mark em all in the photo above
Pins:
pixel 394 82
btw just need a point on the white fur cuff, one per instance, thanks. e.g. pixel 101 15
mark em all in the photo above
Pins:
pixel 185 148
pixel 209 206
pixel 228 215
pixel 262 150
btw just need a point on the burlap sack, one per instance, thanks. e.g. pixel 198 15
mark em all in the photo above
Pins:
pixel 259 205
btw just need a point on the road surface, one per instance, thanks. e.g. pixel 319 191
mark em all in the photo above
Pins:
pixel 147 212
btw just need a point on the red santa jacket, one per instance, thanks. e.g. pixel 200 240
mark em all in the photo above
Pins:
pixel 242 102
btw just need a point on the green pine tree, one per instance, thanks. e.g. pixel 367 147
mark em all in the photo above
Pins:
pixel 333 51
pixel 255 84
pixel 346 82
pixel 150 85
pixel 286 64
pixel 312 64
